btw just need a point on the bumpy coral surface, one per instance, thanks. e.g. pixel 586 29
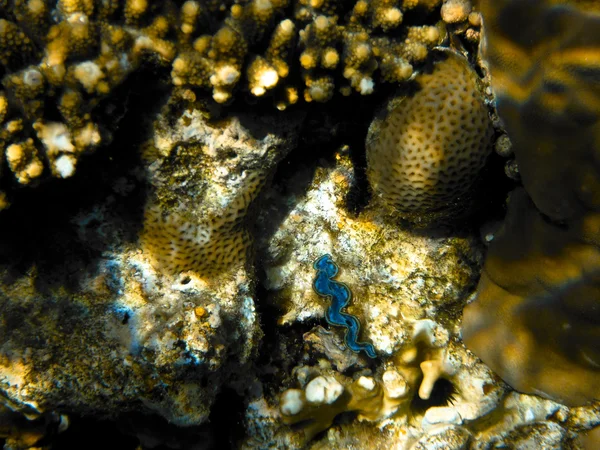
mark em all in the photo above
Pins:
pixel 201 225
pixel 61 61
pixel 64 62
pixel 426 150
pixel 425 390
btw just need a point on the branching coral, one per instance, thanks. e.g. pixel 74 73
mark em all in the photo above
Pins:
pixel 63 59
pixel 328 42
pixel 60 61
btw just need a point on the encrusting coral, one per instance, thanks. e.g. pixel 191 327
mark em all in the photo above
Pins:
pixel 535 318
pixel 206 232
pixel 426 150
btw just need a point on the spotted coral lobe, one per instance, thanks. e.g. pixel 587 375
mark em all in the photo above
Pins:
pixel 426 151
pixel 210 244
pixel 177 245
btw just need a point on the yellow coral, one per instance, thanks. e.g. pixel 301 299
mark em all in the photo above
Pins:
pixel 33 13
pixel 134 10
pixel 190 11
pixel 15 45
pixel 84 49
pixel 3 107
pixel 261 76
pixel 178 241
pixel 68 7
pixel 455 11
pixel 280 47
pixel 177 244
pixel 426 152
pixel 24 161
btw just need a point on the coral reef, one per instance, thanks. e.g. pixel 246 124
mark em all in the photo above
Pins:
pixel 411 376
pixel 426 150
pixel 65 61
pixel 394 303
pixel 176 286
pixel 539 295
pixel 425 389
pixel 144 327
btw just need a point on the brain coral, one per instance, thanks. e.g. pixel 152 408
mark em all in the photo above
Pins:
pixel 426 151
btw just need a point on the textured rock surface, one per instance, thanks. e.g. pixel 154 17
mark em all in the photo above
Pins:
pixel 389 270
pixel 131 333
pixel 426 390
